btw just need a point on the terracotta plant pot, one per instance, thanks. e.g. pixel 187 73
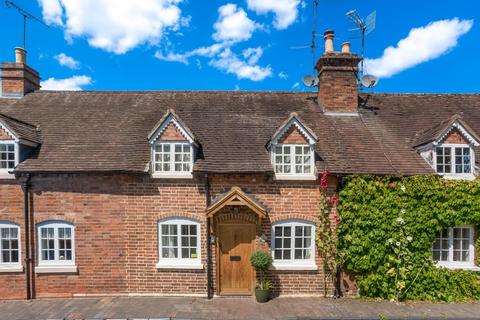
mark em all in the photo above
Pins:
pixel 262 295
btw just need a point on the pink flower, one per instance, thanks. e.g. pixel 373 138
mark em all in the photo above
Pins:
pixel 334 200
pixel 324 180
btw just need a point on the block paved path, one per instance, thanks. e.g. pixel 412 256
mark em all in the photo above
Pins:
pixel 231 308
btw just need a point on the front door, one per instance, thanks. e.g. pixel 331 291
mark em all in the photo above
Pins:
pixel 235 245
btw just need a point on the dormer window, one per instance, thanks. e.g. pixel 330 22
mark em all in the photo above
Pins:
pixel 292 150
pixel 7 156
pixel 454 159
pixel 449 148
pixel 173 148
pixel 173 157
pixel 293 159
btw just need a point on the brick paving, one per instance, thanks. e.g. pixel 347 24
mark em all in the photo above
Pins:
pixel 230 308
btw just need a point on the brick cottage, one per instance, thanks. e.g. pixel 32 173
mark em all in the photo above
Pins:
pixel 169 192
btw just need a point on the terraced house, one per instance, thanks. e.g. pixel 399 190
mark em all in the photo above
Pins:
pixel 169 192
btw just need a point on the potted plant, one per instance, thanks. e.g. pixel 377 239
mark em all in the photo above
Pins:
pixel 261 261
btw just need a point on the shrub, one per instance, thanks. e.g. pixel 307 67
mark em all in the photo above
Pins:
pixel 369 208
pixel 261 261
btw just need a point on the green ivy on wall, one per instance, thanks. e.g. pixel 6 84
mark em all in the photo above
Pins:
pixel 379 212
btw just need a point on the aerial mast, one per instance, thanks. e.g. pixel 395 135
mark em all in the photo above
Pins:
pixel 26 15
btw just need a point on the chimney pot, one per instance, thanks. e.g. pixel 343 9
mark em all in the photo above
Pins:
pixel 346 47
pixel 328 36
pixel 20 55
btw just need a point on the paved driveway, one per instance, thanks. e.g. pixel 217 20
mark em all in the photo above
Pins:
pixel 231 308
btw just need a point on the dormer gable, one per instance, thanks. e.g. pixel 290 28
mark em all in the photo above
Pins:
pixel 294 131
pixel 173 148
pixel 18 140
pixel 292 150
pixel 449 148
pixel 169 128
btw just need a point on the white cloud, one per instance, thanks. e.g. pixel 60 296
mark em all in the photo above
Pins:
pixel 230 63
pixel 114 26
pixel 421 45
pixel 252 55
pixel 286 11
pixel 296 85
pixel 233 24
pixel 52 11
pixel 209 51
pixel 282 75
pixel 67 61
pixel 73 83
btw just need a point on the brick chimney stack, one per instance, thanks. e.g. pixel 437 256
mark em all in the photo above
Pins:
pixel 18 78
pixel 337 73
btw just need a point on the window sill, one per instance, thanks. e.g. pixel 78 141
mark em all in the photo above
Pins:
pixel 295 266
pixel 172 176
pixel 180 265
pixel 11 268
pixel 295 177
pixel 452 266
pixel 459 176
pixel 5 175
pixel 56 269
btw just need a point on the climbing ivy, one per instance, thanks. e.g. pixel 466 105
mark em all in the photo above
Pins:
pixel 370 209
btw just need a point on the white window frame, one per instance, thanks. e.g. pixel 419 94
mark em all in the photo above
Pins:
pixel 8 173
pixel 11 266
pixel 56 265
pixel 469 265
pixel 172 173
pixel 294 264
pixel 453 173
pixel 179 263
pixel 293 175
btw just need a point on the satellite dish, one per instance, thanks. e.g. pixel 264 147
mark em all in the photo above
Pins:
pixel 369 81
pixel 310 80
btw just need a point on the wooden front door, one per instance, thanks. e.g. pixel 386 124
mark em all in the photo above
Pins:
pixel 235 245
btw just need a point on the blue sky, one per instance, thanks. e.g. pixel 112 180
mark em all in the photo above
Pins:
pixel 246 45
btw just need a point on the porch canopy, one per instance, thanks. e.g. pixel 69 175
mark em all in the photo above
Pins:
pixel 236 197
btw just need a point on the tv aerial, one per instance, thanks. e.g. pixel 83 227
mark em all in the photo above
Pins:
pixel 26 15
pixel 312 45
pixel 364 26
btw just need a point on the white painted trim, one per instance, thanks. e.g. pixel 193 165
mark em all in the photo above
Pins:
pixel 57 262
pixel 172 174
pixel 309 177
pixel 342 114
pixel 56 269
pixel 179 263
pixel 458 264
pixel 12 266
pixel 293 175
pixel 170 119
pixel 453 175
pixel 300 127
pixel 294 264
pixel 462 130
pixel 159 175
pixel 6 175
pixel 7 268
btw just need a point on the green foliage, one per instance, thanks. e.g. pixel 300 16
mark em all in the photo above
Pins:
pixel 261 260
pixel 369 208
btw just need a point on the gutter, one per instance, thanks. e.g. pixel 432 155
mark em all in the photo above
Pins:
pixel 209 240
pixel 26 193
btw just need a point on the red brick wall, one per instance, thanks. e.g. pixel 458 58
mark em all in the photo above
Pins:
pixel 338 91
pixel 171 133
pixel 18 78
pixel 455 137
pixel 4 135
pixel 293 136
pixel 116 230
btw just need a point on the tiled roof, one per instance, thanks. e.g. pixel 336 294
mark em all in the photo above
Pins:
pixel 22 130
pixel 107 131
